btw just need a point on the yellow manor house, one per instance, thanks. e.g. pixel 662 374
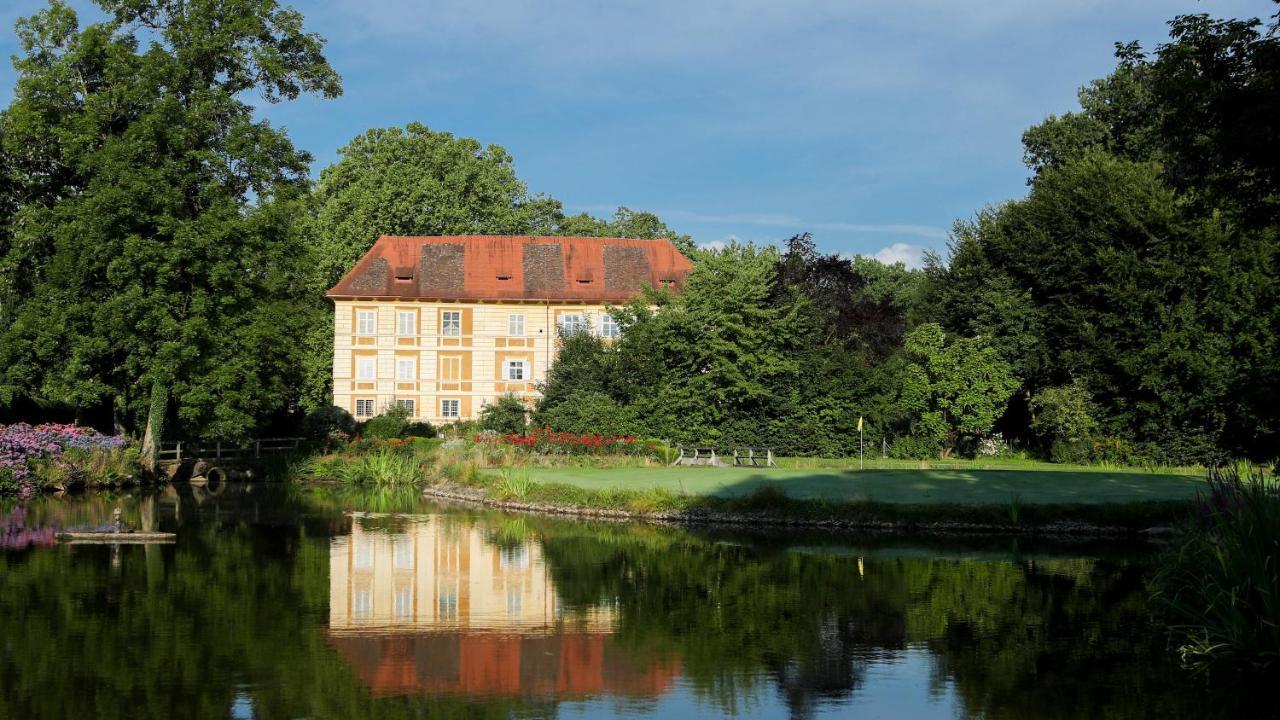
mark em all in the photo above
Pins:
pixel 443 326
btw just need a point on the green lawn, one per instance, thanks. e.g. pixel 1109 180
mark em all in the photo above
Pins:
pixel 1037 485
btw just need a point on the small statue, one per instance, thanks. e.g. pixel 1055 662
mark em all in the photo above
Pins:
pixel 118 520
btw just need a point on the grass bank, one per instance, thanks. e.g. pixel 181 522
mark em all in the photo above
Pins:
pixel 914 501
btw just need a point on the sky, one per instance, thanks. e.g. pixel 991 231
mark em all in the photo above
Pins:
pixel 873 124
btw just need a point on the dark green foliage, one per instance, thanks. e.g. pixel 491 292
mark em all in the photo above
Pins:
pixel 507 416
pixel 1144 264
pixel 1222 584
pixel 390 424
pixel 420 430
pixel 586 412
pixel 151 244
pixel 324 421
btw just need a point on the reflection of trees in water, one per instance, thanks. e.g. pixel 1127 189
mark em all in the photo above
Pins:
pixel 238 598
pixel 1055 638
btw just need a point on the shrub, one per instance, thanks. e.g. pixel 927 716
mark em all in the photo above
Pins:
pixel 392 423
pixel 505 417
pixel 1221 586
pixel 420 430
pixel 915 448
pixel 324 422
pixel 1065 415
pixel 32 457
pixel 590 412
pixel 545 441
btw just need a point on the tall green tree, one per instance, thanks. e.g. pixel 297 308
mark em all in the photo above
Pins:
pixel 625 223
pixel 418 181
pixel 953 391
pixel 159 267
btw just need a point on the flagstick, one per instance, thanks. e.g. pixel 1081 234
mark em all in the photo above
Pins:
pixel 861 449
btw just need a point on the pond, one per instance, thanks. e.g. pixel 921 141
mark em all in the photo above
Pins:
pixel 288 602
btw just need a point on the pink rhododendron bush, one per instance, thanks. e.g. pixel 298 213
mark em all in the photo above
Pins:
pixel 52 456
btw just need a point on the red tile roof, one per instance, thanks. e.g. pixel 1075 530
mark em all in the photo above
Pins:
pixel 502 267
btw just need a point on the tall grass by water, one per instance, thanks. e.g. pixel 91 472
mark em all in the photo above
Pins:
pixel 382 467
pixel 1221 586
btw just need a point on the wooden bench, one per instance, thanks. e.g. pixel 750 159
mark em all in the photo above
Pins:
pixel 698 456
pixel 755 457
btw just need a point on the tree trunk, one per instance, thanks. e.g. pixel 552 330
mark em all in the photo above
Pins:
pixel 152 438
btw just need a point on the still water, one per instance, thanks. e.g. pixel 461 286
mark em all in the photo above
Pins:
pixel 280 602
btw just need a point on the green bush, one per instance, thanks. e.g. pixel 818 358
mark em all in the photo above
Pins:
pixel 915 448
pixel 392 423
pixel 8 482
pixel 505 417
pixel 320 423
pixel 588 412
pixel 1071 452
pixel 419 430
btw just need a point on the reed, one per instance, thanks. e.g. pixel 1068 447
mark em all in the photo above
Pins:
pixel 1221 585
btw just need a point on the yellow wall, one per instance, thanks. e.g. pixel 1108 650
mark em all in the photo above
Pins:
pixel 466 368
pixel 443 573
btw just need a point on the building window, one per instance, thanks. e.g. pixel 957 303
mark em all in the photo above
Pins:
pixel 362 604
pixel 515 325
pixel 516 558
pixel 366 367
pixel 366 322
pixel 402 552
pixel 609 327
pixel 514 370
pixel 407 322
pixel 406 369
pixel 571 324
pixel 449 408
pixel 448 603
pixel 450 367
pixel 515 603
pixel 451 323
pixel 407 406
pixel 404 603
pixel 364 408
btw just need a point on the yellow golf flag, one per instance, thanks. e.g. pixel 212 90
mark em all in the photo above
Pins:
pixel 859 423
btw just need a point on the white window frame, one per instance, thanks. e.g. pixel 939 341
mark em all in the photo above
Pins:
pixel 576 320
pixel 369 362
pixel 366 322
pixel 509 365
pixel 451 323
pixel 411 364
pixel 410 404
pixel 451 404
pixel 359 402
pixel 406 323
pixel 609 327
pixel 447 604
pixel 515 325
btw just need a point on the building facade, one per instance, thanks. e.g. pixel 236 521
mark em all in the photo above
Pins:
pixel 443 326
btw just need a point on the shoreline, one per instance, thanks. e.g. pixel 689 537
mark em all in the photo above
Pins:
pixel 1064 527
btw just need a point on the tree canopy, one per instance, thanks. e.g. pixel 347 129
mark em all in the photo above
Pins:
pixel 138 266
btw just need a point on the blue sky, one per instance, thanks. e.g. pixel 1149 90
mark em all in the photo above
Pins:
pixel 873 124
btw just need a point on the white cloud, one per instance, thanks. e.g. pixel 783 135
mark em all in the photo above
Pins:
pixel 910 255
pixel 719 244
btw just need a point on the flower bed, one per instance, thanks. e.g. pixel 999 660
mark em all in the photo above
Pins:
pixel 51 455
pixel 546 441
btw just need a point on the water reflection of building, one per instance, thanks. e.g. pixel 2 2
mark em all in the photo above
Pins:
pixel 438 605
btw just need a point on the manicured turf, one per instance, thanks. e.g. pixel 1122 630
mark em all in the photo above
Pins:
pixel 897 486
